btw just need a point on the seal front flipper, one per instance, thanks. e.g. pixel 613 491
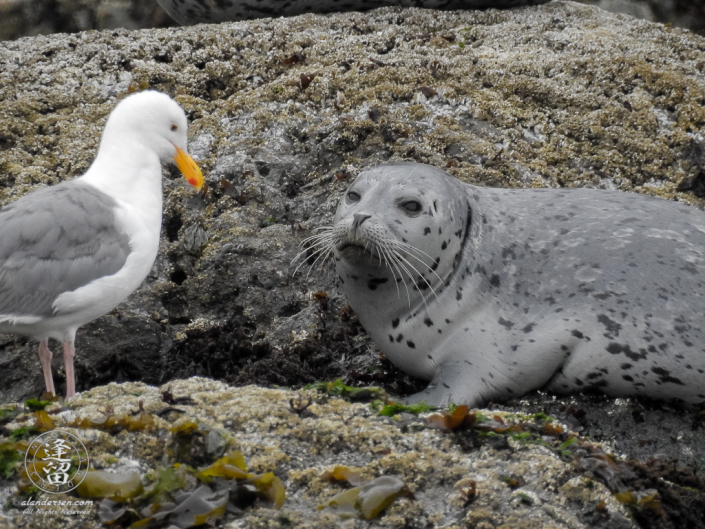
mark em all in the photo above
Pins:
pixel 449 385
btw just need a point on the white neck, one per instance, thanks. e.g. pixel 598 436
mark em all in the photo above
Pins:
pixel 132 175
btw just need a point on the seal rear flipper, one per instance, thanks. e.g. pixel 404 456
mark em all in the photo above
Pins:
pixel 451 385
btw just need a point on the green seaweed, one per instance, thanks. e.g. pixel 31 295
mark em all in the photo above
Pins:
pixel 37 405
pixel 338 389
pixel 166 481
pixel 8 414
pixel 24 432
pixel 9 456
pixel 393 408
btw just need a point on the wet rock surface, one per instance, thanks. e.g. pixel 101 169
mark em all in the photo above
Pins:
pixel 26 18
pixel 284 113
pixel 504 469
pixel 689 14
pixel 21 18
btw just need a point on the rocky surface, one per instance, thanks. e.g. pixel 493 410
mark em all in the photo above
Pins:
pixel 22 18
pixel 19 18
pixel 688 14
pixel 534 473
pixel 285 112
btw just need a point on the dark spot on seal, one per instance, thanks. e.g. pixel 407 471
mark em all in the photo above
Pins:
pixel 444 245
pixel 494 280
pixel 627 378
pixel 623 348
pixel 506 324
pixel 426 231
pixel 509 252
pixel 400 337
pixel 612 326
pixel 435 208
pixel 528 328
pixel 602 295
pixel 593 376
pixel 373 283
pixel 665 376
pixel 626 366
pixel 435 264
pixel 428 322
pixel 484 219
pixel 391 338
pixel 411 344
pixel 578 382
pixel 577 334
pixel 395 323
pixel 458 295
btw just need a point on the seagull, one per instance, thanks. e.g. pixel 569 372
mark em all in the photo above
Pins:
pixel 72 252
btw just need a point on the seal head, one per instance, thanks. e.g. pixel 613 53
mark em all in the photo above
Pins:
pixel 398 236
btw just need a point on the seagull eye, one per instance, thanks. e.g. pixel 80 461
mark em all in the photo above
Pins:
pixel 174 127
pixel 352 196
pixel 412 206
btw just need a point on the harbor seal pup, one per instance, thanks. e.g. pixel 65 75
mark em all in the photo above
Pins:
pixel 491 293
pixel 188 12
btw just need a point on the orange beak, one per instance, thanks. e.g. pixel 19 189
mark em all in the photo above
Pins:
pixel 188 168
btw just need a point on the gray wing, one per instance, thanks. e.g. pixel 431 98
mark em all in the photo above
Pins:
pixel 56 240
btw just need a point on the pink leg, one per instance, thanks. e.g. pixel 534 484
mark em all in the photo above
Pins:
pixel 45 359
pixel 69 352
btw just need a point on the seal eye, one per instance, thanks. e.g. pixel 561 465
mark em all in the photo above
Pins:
pixel 352 196
pixel 174 127
pixel 412 206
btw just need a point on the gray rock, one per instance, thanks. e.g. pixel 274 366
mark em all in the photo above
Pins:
pixel 437 466
pixel 22 18
pixel 556 95
pixel 189 12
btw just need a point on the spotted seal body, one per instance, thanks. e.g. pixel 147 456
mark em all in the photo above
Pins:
pixel 195 11
pixel 491 293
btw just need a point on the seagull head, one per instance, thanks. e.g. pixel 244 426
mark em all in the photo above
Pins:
pixel 157 123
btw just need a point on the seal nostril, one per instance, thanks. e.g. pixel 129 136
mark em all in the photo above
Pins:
pixel 359 218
